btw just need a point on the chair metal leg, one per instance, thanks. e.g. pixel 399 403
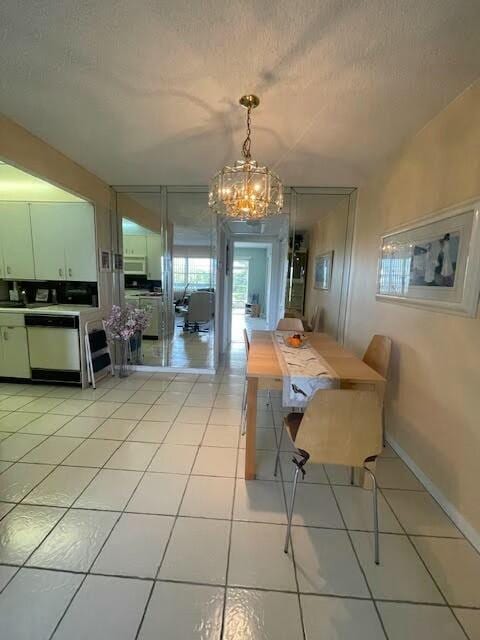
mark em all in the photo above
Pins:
pixel 290 513
pixel 277 459
pixel 352 475
pixel 375 514
pixel 244 415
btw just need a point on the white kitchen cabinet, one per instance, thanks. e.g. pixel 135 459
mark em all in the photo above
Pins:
pixel 154 257
pixel 16 241
pixel 14 360
pixel 64 241
pixel 134 245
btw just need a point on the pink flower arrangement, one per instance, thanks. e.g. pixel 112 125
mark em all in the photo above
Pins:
pixel 123 323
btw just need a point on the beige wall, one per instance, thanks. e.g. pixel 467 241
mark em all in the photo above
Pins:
pixel 433 403
pixel 328 234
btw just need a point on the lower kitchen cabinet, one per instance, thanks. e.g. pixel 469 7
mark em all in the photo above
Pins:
pixel 14 360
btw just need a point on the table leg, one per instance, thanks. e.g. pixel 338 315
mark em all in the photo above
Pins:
pixel 251 442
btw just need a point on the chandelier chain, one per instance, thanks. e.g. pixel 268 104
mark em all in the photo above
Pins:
pixel 246 148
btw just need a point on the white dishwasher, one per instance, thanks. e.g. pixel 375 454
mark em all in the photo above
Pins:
pixel 54 347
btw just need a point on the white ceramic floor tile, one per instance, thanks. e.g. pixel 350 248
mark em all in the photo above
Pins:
pixel 46 423
pixel 403 620
pixel 41 405
pixel 4 465
pixel 149 431
pixel 215 461
pixel 400 575
pixel 62 486
pixel 174 458
pixel 109 490
pixel 157 386
pixel 47 594
pixel 135 456
pixel 88 529
pixel 341 619
pixel 357 509
pixel 6 574
pixel 265 465
pixel 420 514
pixel 183 387
pixel 199 400
pixel 314 506
pixel 16 420
pixel 265 440
pixel 92 453
pixel 114 429
pixel 257 558
pixel 135 546
pixel 197 551
pixel 17 445
pixel 131 411
pixel 90 394
pixel 218 436
pixel 393 473
pixel 258 501
pixel 162 413
pixel 118 395
pixel 262 615
pixel 455 566
pixel 208 497
pixel 23 529
pixel 337 474
pixel 105 607
pixel 5 507
pixel 20 478
pixel 71 407
pixel 183 611
pixel 158 493
pixel 228 402
pixel 13 403
pixel 315 473
pixel 61 392
pixel 231 417
pixel 194 415
pixel 53 451
pixel 182 433
pixel 80 426
pixel 326 562
pixel 470 621
pixel 144 397
pixel 100 409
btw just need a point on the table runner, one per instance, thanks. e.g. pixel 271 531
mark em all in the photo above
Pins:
pixel 304 371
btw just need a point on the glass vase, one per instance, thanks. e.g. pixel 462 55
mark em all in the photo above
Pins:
pixel 123 361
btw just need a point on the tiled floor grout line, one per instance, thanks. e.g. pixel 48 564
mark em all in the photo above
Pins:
pixel 359 563
pixel 426 567
pixel 147 603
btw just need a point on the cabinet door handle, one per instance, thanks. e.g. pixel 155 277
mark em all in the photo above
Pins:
pixel 70 273
pixel 8 269
pixel 5 335
pixel 60 272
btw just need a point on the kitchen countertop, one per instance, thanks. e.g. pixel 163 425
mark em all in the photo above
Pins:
pixel 55 309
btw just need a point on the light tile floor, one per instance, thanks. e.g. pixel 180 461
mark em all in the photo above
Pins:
pixel 124 514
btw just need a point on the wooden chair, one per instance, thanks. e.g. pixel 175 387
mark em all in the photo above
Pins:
pixel 290 324
pixel 338 427
pixel 377 356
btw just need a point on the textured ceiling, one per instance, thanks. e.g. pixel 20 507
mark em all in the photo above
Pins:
pixel 146 92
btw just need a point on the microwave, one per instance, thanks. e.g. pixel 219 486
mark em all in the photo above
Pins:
pixel 135 265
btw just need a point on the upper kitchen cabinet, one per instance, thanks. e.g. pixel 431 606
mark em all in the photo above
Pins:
pixel 134 245
pixel 16 242
pixel 154 257
pixel 64 241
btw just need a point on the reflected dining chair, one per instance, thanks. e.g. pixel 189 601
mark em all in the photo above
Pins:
pixel 244 403
pixel 340 427
pixel 290 324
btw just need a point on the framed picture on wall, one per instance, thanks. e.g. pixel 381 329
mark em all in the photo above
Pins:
pixel 323 271
pixel 118 262
pixel 105 260
pixel 434 262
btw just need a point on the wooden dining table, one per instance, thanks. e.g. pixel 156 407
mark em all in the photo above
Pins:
pixel 264 372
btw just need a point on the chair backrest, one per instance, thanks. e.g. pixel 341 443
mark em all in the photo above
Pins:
pixel 246 341
pixel 341 426
pixel 201 306
pixel 290 324
pixel 377 355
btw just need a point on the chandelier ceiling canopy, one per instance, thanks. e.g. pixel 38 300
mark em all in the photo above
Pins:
pixel 246 191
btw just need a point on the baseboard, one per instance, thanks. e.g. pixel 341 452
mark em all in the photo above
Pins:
pixel 465 527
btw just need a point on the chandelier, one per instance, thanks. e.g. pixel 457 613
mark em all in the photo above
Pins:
pixel 246 191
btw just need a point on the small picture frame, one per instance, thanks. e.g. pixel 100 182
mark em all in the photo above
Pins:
pixel 323 271
pixel 433 262
pixel 105 258
pixel 118 262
